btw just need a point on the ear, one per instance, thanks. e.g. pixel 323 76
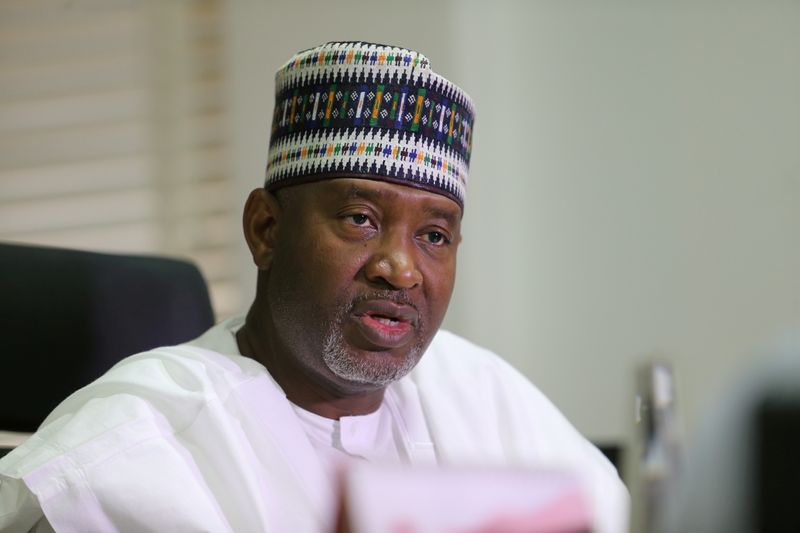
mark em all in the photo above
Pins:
pixel 260 219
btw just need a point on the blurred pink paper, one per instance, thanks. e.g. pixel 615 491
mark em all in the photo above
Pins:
pixel 475 500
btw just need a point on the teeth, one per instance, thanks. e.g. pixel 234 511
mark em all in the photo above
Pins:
pixel 385 320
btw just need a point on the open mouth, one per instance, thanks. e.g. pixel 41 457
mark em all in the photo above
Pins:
pixel 385 324
pixel 388 322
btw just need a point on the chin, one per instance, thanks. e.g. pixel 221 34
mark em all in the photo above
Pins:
pixel 378 369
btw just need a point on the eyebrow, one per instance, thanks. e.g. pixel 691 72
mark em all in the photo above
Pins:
pixel 354 191
pixel 448 216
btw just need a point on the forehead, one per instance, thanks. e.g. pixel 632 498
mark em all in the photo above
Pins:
pixel 341 190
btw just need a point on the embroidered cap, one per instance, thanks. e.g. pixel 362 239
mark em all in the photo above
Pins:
pixel 356 109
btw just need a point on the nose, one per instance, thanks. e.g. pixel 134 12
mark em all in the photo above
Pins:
pixel 392 263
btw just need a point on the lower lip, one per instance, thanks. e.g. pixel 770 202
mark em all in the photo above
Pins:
pixel 384 334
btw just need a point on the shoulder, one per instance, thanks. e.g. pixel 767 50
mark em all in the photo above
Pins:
pixel 142 407
pixel 448 349
pixel 194 372
pixel 167 414
pixel 462 383
pixel 157 392
pixel 481 409
pixel 468 365
pixel 181 376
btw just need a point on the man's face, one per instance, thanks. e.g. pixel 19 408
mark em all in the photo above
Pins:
pixel 360 279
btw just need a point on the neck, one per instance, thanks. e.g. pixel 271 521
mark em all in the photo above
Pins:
pixel 322 395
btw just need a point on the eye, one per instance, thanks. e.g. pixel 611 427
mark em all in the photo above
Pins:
pixel 359 219
pixel 436 237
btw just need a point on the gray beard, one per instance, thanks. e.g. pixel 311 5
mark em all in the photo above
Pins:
pixel 351 368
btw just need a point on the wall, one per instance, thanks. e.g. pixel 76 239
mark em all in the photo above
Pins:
pixel 634 193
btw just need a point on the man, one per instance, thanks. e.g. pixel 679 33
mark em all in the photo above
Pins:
pixel 354 236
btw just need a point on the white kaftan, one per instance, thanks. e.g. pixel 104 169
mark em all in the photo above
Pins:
pixel 198 438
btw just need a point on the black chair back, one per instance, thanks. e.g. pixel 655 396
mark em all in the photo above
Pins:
pixel 67 316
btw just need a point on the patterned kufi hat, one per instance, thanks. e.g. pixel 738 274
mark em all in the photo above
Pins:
pixel 355 109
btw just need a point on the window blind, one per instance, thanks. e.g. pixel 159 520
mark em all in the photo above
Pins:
pixel 113 131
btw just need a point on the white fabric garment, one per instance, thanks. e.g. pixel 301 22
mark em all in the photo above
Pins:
pixel 198 438
pixel 374 437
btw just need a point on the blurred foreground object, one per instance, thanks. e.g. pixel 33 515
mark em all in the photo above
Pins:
pixel 69 315
pixel 742 469
pixel 657 420
pixel 469 500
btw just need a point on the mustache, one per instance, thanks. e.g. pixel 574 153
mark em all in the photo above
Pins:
pixel 399 297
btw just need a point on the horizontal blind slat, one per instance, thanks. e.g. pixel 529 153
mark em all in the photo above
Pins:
pixel 73 144
pixel 74 77
pixel 226 297
pixel 113 237
pixel 217 262
pixel 77 178
pixel 85 109
pixel 77 211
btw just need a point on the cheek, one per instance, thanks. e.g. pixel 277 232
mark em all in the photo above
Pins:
pixel 440 281
pixel 323 266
